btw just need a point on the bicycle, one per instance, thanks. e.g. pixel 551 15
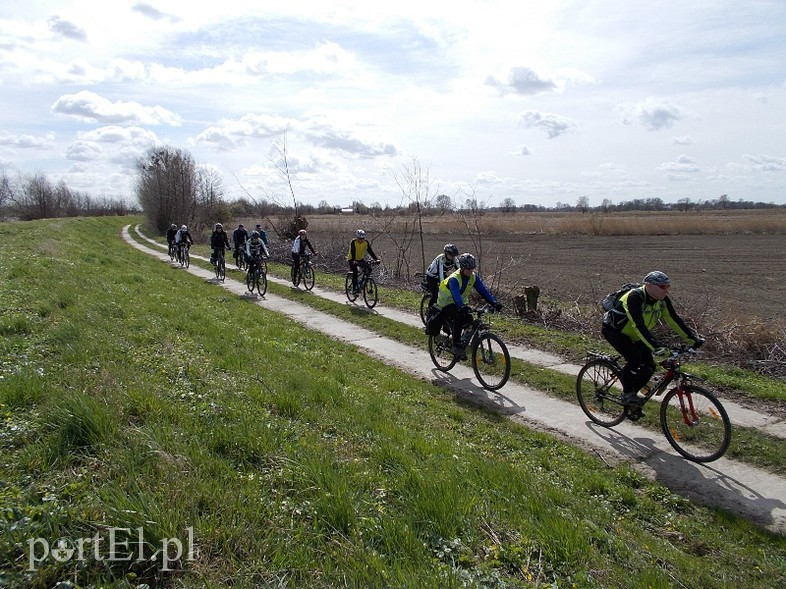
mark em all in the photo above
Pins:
pixel 304 272
pixel 366 285
pixel 489 354
pixel 256 277
pixel 172 251
pixel 183 256
pixel 691 417
pixel 240 258
pixel 220 265
pixel 425 303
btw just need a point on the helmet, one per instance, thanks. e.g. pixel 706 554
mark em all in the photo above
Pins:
pixel 301 232
pixel 360 234
pixel 258 226
pixel 450 248
pixel 219 226
pixel 255 235
pixel 657 277
pixel 241 226
pixel 467 261
pixel 173 226
pixel 184 228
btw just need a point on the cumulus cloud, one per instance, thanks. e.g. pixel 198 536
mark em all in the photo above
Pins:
pixel 28 141
pixel 522 80
pixel 349 144
pixel 230 135
pixel 84 151
pixel 554 125
pixel 120 135
pixel 682 140
pixel 152 12
pixel 683 164
pixel 767 163
pixel 521 150
pixel 653 113
pixel 89 106
pixel 66 29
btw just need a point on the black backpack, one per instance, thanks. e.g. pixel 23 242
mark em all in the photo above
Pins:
pixel 609 302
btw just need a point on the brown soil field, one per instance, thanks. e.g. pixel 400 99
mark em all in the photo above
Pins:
pixel 739 275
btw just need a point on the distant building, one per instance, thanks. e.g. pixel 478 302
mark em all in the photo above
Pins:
pixel 347 211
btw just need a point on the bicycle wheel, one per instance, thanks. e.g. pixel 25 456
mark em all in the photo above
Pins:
pixel 222 269
pixel 491 361
pixel 172 253
pixel 261 283
pixel 251 279
pixel 186 258
pixel 309 277
pixel 352 296
pixel 294 275
pixel 599 391
pixel 424 308
pixel 439 349
pixel 695 423
pixel 370 294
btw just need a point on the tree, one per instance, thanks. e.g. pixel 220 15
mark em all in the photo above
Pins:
pixel 415 184
pixel 508 205
pixel 582 204
pixel 6 193
pixel 443 203
pixel 167 186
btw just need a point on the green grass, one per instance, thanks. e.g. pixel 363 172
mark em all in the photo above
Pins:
pixel 139 396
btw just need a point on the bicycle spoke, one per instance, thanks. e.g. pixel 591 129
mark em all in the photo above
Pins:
pixel 600 393
pixel 491 361
pixel 695 423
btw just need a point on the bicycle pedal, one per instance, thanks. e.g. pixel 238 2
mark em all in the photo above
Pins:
pixel 634 413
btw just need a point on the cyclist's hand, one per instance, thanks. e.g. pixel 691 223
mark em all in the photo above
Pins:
pixel 697 342
pixel 661 351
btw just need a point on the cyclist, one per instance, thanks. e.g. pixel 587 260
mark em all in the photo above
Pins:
pixel 262 235
pixel 356 257
pixel 170 235
pixel 218 243
pixel 255 248
pixel 239 238
pixel 298 249
pixel 453 298
pixel 443 266
pixel 627 327
pixel 183 239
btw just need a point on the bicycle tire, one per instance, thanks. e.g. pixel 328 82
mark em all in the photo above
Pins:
pixel 708 435
pixel 491 361
pixel 294 275
pixel 370 293
pixel 439 349
pixel 599 391
pixel 424 308
pixel 261 283
pixel 172 253
pixel 186 258
pixel 222 271
pixel 250 280
pixel 351 296
pixel 309 277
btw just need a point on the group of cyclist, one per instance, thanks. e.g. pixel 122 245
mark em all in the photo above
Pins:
pixel 451 277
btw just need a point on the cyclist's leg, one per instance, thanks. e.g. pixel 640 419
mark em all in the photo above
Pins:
pixel 639 365
pixel 354 268
pixel 295 265
pixel 433 288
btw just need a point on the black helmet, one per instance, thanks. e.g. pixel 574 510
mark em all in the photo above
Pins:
pixel 657 277
pixel 467 261
pixel 450 248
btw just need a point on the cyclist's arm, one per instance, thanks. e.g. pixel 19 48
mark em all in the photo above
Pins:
pixel 311 247
pixel 678 325
pixel 635 315
pixel 480 286
pixel 371 253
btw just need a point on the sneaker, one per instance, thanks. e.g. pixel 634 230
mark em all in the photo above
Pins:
pixel 458 351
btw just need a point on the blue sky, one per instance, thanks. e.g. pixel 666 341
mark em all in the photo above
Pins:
pixel 542 102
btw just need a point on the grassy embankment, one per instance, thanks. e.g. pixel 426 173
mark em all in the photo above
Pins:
pixel 134 395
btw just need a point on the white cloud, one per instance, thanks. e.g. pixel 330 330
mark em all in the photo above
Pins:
pixel 522 80
pixel 655 114
pixel 88 106
pixel 683 164
pixel 554 125
pixel 766 163
pixel 28 141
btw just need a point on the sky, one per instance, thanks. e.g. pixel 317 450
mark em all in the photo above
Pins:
pixel 542 102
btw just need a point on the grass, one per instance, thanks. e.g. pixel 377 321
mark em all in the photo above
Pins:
pixel 140 397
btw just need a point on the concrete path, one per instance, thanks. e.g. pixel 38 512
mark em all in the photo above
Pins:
pixel 744 490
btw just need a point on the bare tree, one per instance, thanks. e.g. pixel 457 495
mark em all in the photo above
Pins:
pixel 6 194
pixel 582 204
pixel 471 217
pixel 167 186
pixel 415 184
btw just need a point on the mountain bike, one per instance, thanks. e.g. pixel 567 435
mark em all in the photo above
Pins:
pixel 172 251
pixel 489 354
pixel 240 258
pixel 256 277
pixel 220 264
pixel 183 256
pixel 691 417
pixel 366 285
pixel 304 272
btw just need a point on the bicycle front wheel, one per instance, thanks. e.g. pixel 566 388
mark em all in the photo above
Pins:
pixel 186 258
pixel 599 389
pixel 424 307
pixel 222 269
pixel 491 361
pixel 695 423
pixel 439 349
pixel 351 294
pixel 370 294
pixel 309 277
pixel 261 283
pixel 251 280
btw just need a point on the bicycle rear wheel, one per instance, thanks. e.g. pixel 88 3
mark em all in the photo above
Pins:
pixel 172 253
pixel 439 349
pixel 424 308
pixel 186 258
pixel 309 277
pixel 599 389
pixel 491 361
pixel 370 294
pixel 695 423
pixel 351 295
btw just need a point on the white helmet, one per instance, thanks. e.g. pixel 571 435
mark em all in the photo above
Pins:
pixel 360 234
pixel 184 228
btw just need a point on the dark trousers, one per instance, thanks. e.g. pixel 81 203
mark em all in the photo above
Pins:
pixel 639 364
pixel 452 316
pixel 433 288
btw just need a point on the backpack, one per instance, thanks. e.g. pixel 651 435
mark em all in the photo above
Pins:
pixel 609 302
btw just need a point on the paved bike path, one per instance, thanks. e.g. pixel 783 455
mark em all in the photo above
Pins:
pixel 747 491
